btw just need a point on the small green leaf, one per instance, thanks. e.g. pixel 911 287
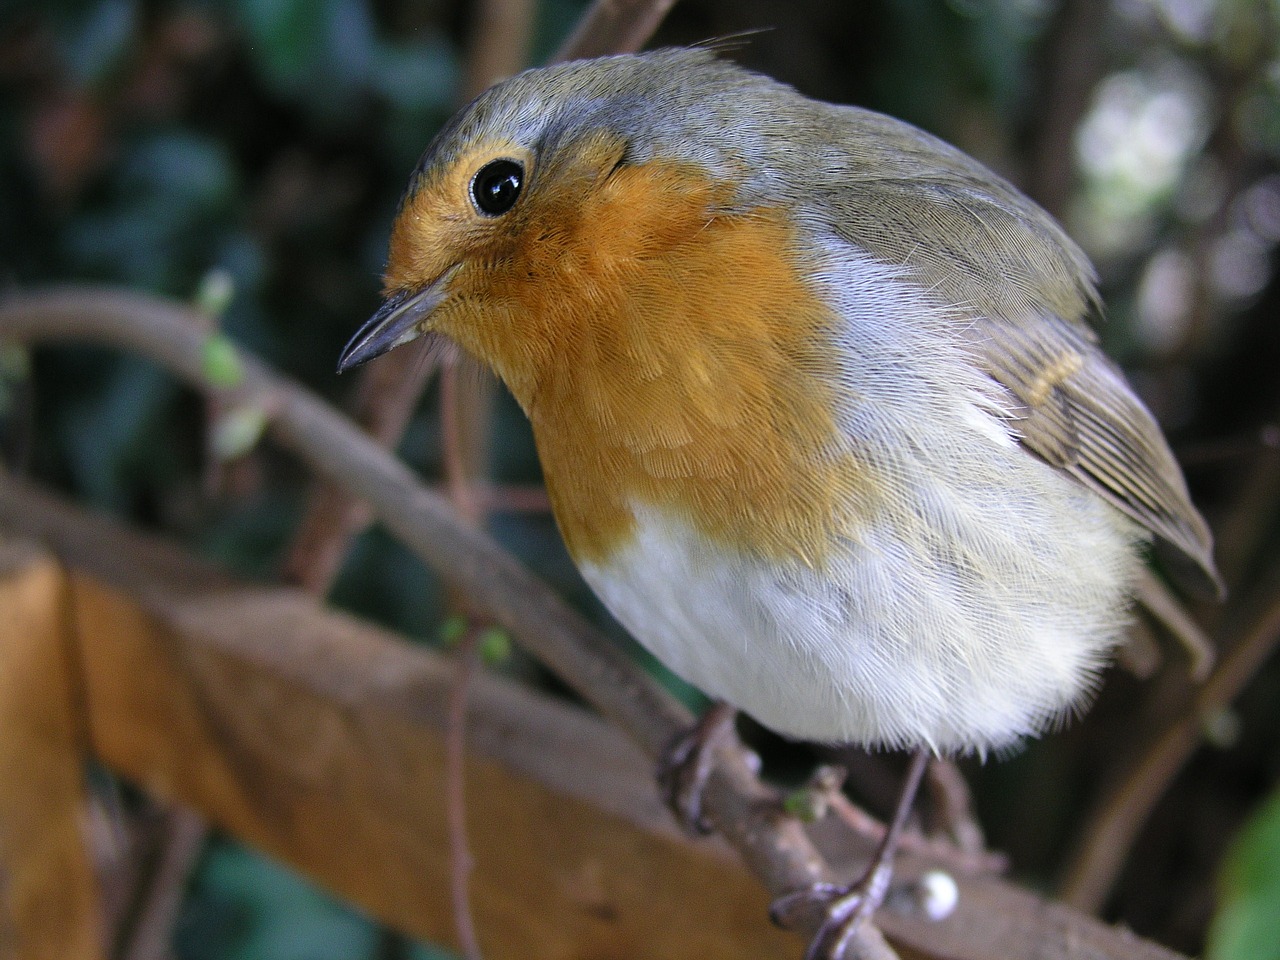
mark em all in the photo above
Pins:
pixel 238 431
pixel 216 291
pixel 1247 924
pixel 221 363
pixel 495 646
pixel 15 362
pixel 453 630
pixel 805 804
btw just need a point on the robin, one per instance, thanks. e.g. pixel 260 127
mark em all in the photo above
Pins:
pixel 820 416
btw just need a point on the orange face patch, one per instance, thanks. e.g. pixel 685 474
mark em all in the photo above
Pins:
pixel 438 222
pixel 667 352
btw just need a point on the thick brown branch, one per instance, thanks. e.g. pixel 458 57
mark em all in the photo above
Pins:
pixel 993 920
pixel 339 451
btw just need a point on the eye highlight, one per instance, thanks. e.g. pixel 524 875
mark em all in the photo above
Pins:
pixel 496 186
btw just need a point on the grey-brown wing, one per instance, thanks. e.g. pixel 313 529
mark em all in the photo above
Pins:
pixel 983 248
pixel 1077 412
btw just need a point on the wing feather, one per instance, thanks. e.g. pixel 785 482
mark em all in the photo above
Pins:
pixel 986 251
pixel 1080 415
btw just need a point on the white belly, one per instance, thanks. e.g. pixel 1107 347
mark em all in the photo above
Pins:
pixel 972 611
pixel 885 648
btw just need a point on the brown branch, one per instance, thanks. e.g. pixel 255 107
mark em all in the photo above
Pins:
pixel 493 581
pixel 498 44
pixel 954 803
pixel 180 840
pixel 613 26
pixel 1114 827
pixel 456 797
pixel 343 454
pixel 386 398
pixel 993 920
pixel 1073 64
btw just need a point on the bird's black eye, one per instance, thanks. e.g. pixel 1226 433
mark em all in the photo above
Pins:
pixel 496 187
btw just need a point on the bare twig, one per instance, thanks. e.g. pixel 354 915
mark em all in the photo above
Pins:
pixel 388 393
pixel 1073 64
pixel 456 797
pixel 493 581
pixel 1113 828
pixel 1168 610
pixel 181 838
pixel 464 409
pixel 952 800
pixel 499 42
pixel 614 26
pixel 500 37
pixel 947 855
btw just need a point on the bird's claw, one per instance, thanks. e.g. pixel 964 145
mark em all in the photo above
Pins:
pixel 686 766
pixel 845 909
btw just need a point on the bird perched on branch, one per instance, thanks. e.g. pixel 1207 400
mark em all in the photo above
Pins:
pixel 820 415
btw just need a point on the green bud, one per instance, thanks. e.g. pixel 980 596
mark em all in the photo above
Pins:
pixel 221 363
pixel 805 804
pixel 216 291
pixel 495 646
pixel 237 431
pixel 452 630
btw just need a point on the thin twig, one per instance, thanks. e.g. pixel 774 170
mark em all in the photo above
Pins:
pixel 460 861
pixel 1102 851
pixel 951 798
pixel 946 855
pixel 499 41
pixel 1159 601
pixel 181 837
pixel 614 26
pixel 387 395
pixel 462 415
pixel 1073 65
pixel 500 37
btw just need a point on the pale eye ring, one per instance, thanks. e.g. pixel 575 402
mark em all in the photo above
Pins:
pixel 496 186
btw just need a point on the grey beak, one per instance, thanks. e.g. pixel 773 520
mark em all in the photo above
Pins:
pixel 399 320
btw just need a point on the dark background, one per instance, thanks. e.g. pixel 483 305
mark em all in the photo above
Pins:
pixel 249 154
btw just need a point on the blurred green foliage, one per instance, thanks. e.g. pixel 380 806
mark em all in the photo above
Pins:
pixel 245 907
pixel 247 155
pixel 1247 926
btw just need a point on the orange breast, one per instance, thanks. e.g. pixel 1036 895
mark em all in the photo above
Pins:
pixel 668 353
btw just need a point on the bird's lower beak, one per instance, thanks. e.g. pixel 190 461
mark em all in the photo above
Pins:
pixel 400 319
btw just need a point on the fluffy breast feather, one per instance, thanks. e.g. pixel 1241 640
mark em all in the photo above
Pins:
pixel 975 606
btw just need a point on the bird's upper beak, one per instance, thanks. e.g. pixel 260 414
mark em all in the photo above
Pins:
pixel 400 319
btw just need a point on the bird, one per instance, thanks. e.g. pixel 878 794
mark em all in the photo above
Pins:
pixel 821 415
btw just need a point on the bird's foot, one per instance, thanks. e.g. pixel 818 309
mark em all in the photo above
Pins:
pixel 846 909
pixel 686 766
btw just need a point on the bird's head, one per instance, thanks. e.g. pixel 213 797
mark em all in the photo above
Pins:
pixel 530 210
